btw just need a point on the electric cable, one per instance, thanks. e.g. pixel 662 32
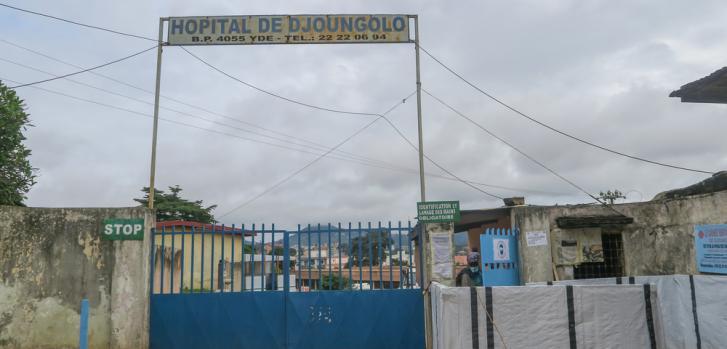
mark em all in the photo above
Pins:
pixel 84 70
pixel 176 100
pixel 284 140
pixel 573 184
pixel 532 119
pixel 76 23
pixel 361 160
pixel 311 163
pixel 435 163
pixel 357 113
pixel 273 94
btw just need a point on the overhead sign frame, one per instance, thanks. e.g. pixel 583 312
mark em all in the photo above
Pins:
pixel 360 28
pixel 287 29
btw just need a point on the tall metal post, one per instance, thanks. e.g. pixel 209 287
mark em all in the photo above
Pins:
pixel 419 111
pixel 423 242
pixel 152 172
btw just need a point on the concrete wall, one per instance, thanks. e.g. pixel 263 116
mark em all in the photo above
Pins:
pixel 51 258
pixel 659 242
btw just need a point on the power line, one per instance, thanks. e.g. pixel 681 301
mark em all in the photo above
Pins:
pixel 362 160
pixel 295 173
pixel 338 111
pixel 84 70
pixel 284 140
pixel 77 23
pixel 553 128
pixel 518 150
pixel 197 107
pixel 323 109
pixel 436 164
pixel 251 86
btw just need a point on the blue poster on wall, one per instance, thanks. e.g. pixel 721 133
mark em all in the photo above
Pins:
pixel 711 245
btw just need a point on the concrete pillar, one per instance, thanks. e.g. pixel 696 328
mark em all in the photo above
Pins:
pixel 438 254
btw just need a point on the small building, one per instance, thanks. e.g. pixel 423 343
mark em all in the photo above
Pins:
pixel 563 242
pixel 205 244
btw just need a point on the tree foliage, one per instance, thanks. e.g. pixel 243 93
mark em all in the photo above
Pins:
pixel 375 244
pixel 333 282
pixel 16 174
pixel 171 206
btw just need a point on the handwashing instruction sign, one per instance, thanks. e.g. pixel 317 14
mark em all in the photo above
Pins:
pixel 710 242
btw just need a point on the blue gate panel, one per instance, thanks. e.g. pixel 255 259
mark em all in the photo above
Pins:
pixel 345 319
pixel 500 265
pixel 217 320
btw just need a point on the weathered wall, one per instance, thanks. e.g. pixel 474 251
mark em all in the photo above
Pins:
pixel 50 259
pixel 659 242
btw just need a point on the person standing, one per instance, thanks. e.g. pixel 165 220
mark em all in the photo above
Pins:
pixel 472 275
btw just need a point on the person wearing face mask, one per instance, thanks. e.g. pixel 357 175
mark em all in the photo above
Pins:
pixel 472 275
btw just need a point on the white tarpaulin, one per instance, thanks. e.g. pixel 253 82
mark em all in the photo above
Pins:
pixel 690 319
pixel 546 317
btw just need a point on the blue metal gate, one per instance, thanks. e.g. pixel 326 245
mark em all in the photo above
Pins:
pixel 500 257
pixel 317 287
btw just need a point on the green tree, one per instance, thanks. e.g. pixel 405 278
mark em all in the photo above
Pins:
pixel 277 251
pixel 333 282
pixel 16 174
pixel 377 241
pixel 611 196
pixel 171 206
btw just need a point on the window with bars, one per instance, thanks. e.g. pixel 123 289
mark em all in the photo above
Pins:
pixel 613 260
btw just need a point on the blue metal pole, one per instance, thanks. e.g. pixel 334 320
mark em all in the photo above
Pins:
pixel 274 258
pixel 360 258
pixel 232 259
pixel 252 259
pixel 164 259
pixel 212 259
pixel 192 261
pixel 171 268
pixel 319 267
pixel 330 284
pixel 340 277
pixel 153 268
pixel 181 270
pixel 286 280
pixel 221 272
pixel 350 260
pixel 379 255
pixel 309 267
pixel 242 261
pixel 83 335
pixel 201 267
pixel 298 281
pixel 371 258
pixel 401 280
pixel 390 241
pixel 264 272
pixel 286 262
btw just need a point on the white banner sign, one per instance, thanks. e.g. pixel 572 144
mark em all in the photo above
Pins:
pixel 536 238
pixel 298 29
pixel 501 251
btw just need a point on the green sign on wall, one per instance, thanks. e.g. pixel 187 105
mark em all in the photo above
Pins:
pixel 438 211
pixel 123 229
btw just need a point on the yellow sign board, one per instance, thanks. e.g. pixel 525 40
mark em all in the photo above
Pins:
pixel 297 29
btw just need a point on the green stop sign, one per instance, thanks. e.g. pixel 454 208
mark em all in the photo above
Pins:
pixel 123 229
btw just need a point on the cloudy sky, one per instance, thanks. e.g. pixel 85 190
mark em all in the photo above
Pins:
pixel 601 70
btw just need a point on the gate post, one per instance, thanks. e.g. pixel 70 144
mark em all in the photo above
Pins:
pixel 286 280
pixel 437 253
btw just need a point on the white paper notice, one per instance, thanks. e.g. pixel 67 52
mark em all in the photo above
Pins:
pixel 536 238
pixel 501 250
pixel 441 255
